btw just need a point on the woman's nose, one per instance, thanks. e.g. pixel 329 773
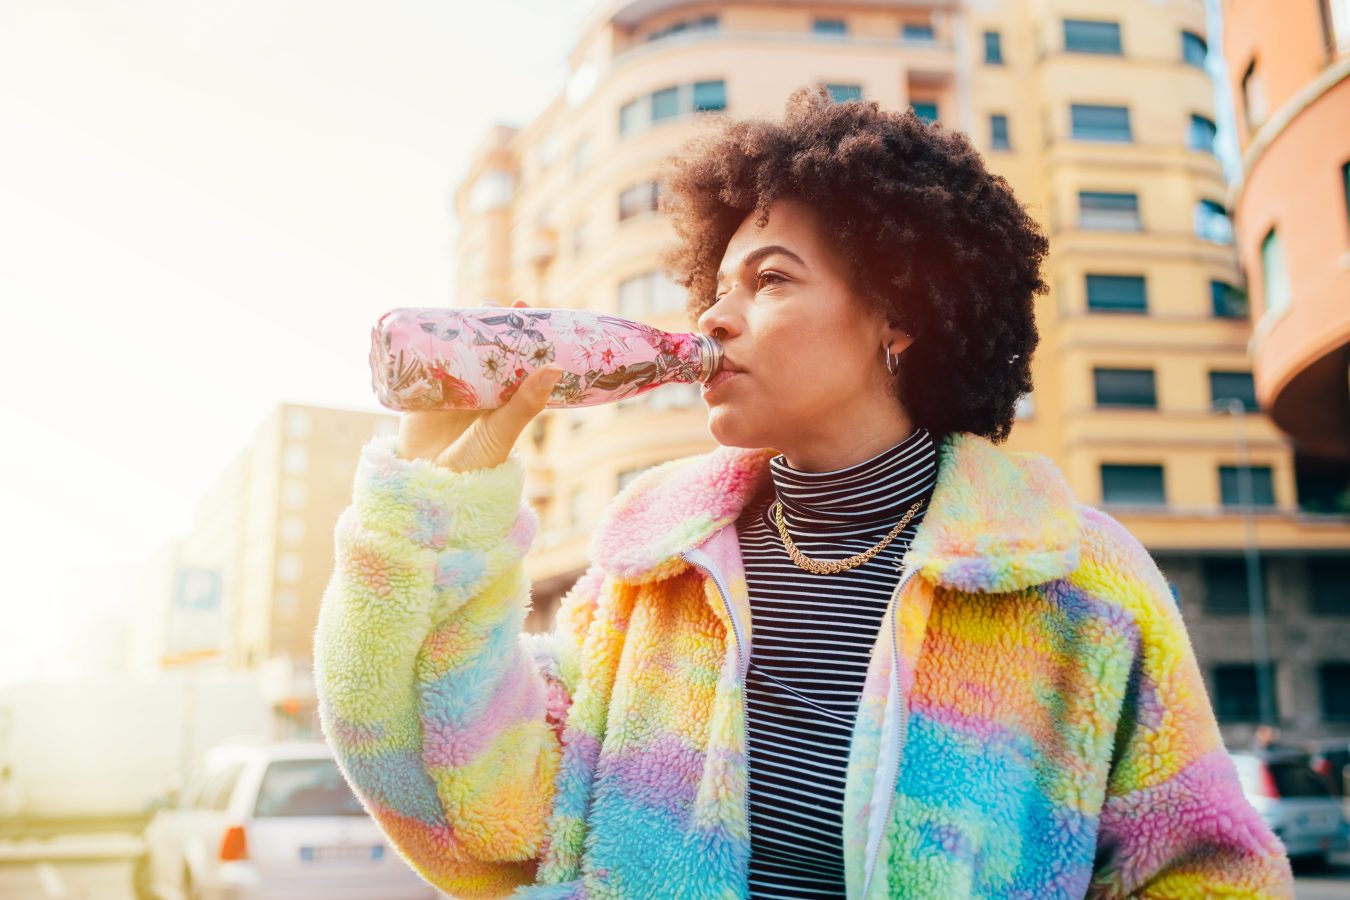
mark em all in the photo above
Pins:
pixel 716 321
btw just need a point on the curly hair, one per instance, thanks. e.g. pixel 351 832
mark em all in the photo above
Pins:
pixel 936 242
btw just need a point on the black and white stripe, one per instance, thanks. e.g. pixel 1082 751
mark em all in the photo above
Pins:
pixel 812 636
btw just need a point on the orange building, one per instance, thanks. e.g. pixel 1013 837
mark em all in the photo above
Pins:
pixel 1289 67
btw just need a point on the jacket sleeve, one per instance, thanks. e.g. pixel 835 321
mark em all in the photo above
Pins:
pixel 443 717
pixel 1175 822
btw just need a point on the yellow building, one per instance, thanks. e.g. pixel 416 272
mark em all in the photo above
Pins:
pixel 1100 114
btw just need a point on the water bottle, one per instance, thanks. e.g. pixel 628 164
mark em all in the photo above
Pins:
pixel 475 358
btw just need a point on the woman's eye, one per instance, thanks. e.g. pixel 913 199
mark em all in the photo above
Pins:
pixel 764 277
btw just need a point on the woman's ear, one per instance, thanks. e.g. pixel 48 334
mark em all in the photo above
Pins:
pixel 897 339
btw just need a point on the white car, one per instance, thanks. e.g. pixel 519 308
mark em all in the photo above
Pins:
pixel 1295 801
pixel 270 821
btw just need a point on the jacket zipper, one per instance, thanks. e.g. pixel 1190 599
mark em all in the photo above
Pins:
pixel 901 728
pixel 704 563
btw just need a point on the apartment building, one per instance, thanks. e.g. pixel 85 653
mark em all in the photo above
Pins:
pixel 1102 116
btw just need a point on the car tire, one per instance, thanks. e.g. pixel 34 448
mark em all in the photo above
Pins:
pixel 142 882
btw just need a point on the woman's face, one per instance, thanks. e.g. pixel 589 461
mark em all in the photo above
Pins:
pixel 810 378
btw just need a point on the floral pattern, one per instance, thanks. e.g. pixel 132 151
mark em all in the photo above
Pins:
pixel 477 358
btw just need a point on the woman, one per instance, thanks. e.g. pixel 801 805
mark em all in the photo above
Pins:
pixel 885 659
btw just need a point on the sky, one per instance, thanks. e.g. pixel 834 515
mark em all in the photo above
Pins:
pixel 203 209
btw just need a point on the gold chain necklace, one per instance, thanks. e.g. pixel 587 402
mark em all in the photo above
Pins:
pixel 831 566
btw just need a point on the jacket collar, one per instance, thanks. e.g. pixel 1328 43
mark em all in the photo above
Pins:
pixel 998 521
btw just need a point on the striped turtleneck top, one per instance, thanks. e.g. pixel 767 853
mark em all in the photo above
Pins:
pixel 812 637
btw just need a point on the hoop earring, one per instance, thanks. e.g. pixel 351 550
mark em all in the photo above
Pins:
pixel 892 360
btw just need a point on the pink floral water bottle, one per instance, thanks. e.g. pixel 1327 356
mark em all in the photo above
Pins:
pixel 475 358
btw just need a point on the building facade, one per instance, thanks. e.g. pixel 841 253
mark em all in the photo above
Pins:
pixel 1288 67
pixel 241 590
pixel 1101 116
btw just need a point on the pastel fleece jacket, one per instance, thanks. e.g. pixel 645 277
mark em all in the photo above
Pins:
pixel 1033 722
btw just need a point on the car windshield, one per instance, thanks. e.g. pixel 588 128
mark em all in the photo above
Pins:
pixel 305 787
pixel 1293 779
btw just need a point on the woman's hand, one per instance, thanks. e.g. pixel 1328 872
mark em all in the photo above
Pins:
pixel 462 440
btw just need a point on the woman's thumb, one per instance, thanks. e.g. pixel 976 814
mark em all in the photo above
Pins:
pixel 528 400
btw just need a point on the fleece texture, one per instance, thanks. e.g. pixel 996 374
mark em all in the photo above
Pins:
pixel 1033 723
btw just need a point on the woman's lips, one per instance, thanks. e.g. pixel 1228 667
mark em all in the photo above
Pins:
pixel 719 379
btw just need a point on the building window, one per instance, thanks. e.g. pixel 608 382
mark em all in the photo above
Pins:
pixel 993 48
pixel 493 190
pixel 710 96
pixel 648 294
pixel 638 199
pixel 576 506
pixel 1274 275
pixel 1085 36
pixel 1193 49
pixel 1117 293
pixel 1253 97
pixel 831 27
pixel 1345 188
pixel 293 495
pixel 1336 24
pixel 703 23
pixel 665 104
pixel 289 568
pixel 998 132
pixel 1100 123
pixel 1133 485
pixel 1329 585
pixel 1228 301
pixel 1225 386
pixel 1262 481
pixel 1103 211
pixel 1236 692
pixel 1225 586
pixel 298 424
pixel 1212 222
pixel 581 154
pixel 670 103
pixel 925 110
pixel 1201 134
pixel 1127 388
pixel 1334 680
pixel 292 529
pixel 842 93
pixel 917 32
pixel 295 461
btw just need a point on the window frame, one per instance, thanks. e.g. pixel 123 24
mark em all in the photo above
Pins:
pixel 1115 47
pixel 1190 39
pixel 645 205
pixel 926 106
pixel 841 92
pixel 1214 390
pixel 1211 131
pixel 1104 281
pixel 1231 476
pixel 1146 388
pixel 993 49
pixel 999 139
pixel 1110 215
pixel 1274 273
pixel 1080 130
pixel 1137 468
